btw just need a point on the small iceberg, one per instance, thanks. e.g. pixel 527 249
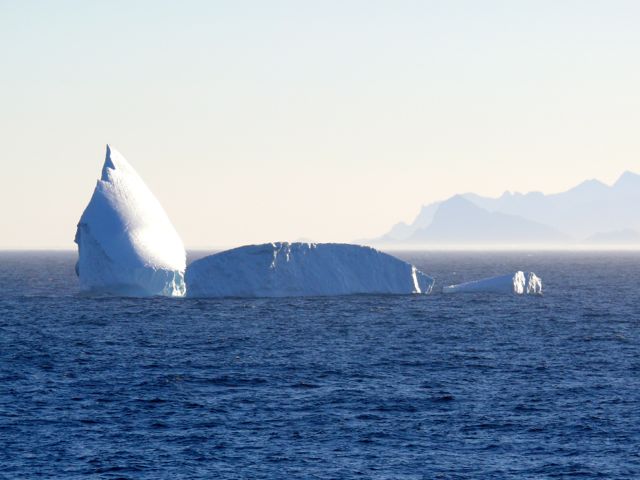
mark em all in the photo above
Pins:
pixel 303 269
pixel 519 283
pixel 126 243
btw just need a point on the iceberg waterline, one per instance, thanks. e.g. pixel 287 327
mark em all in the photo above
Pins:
pixel 128 246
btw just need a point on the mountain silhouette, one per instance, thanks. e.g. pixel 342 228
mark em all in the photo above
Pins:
pixel 460 221
pixel 591 212
pixel 618 237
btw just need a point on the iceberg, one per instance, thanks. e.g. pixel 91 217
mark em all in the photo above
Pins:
pixel 126 243
pixel 302 269
pixel 519 283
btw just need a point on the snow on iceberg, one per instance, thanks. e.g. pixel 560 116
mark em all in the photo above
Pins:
pixel 302 269
pixel 519 283
pixel 126 243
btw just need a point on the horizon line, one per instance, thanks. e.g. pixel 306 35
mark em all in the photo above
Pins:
pixel 396 248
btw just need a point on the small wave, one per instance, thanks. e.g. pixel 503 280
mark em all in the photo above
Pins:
pixel 303 385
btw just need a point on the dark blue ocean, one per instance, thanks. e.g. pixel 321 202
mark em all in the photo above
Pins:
pixel 380 387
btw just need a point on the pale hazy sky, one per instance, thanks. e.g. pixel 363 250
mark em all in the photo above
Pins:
pixel 259 121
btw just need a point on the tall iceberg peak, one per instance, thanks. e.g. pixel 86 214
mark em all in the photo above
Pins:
pixel 302 269
pixel 126 243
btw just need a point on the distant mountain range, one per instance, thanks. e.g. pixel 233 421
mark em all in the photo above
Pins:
pixel 591 213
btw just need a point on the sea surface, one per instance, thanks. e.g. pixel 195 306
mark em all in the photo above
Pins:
pixel 380 387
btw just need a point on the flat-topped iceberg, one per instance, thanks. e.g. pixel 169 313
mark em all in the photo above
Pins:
pixel 302 269
pixel 518 283
pixel 126 243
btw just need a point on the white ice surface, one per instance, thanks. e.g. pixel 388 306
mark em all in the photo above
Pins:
pixel 533 285
pixel 126 243
pixel 518 283
pixel 302 269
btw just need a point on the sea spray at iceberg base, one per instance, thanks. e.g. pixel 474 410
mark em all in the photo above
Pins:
pixel 303 269
pixel 519 283
pixel 126 243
